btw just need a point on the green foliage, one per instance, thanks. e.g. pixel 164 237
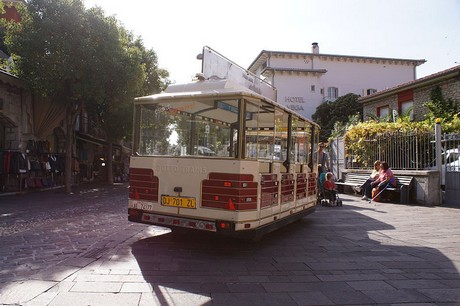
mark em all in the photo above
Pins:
pixel 3 48
pixel 55 50
pixel 80 57
pixel 130 70
pixel 76 56
pixel 328 114
pixel 340 128
pixel 446 111
pixel 357 134
pixel 439 107
pixel 122 76
pixel 156 79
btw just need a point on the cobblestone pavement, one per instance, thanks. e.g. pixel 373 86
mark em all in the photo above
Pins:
pixel 84 252
pixel 40 229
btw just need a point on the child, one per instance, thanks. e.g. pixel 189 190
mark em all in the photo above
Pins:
pixel 329 188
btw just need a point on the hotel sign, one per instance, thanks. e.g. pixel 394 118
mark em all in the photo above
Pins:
pixel 294 103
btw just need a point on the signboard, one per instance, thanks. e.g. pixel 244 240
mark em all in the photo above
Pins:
pixel 216 66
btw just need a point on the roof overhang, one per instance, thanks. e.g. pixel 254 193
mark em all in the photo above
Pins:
pixel 428 80
pixel 268 72
pixel 264 55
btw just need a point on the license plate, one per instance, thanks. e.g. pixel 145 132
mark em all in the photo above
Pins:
pixel 183 202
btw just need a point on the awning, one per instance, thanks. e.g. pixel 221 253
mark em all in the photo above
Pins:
pixel 7 121
pixel 90 139
pixel 95 140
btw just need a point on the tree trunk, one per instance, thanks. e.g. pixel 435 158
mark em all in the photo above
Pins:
pixel 68 157
pixel 72 111
pixel 109 162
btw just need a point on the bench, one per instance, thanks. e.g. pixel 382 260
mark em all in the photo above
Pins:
pixel 404 185
pixel 352 180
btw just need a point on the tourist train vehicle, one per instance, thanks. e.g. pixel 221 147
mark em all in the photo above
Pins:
pixel 214 156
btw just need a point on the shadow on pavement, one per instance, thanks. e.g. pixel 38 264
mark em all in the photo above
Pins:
pixel 338 255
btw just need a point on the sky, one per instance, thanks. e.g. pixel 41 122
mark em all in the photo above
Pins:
pixel 177 30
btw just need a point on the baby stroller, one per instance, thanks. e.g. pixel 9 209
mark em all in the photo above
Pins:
pixel 326 197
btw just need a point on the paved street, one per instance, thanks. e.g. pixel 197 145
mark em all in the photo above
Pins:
pixel 78 249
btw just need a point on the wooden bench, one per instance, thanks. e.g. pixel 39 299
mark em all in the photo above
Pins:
pixel 404 184
pixel 352 180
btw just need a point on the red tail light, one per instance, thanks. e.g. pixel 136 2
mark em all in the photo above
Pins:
pixel 224 225
pixel 143 184
pixel 229 191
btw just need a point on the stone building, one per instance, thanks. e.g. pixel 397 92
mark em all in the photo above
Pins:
pixel 410 97
pixel 16 120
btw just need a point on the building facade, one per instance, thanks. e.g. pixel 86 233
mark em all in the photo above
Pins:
pixel 411 96
pixel 305 80
pixel 32 142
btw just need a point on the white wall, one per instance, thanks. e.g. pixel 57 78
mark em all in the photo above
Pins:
pixel 349 75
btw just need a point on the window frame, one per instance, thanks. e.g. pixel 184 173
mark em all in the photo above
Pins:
pixel 332 93
pixel 379 110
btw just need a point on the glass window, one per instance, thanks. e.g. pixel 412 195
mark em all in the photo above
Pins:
pixel 281 132
pixel 407 109
pixel 186 128
pixel 302 141
pixel 266 131
pixel 383 111
pixel 332 93
pixel 252 126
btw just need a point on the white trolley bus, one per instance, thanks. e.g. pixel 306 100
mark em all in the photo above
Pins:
pixel 218 157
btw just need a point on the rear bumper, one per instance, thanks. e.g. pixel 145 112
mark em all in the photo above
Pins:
pixel 139 216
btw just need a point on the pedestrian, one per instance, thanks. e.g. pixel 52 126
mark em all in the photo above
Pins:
pixel 386 177
pixel 323 158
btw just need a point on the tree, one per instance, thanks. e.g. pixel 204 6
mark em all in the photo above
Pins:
pixel 130 71
pixel 121 79
pixel 328 113
pixel 439 107
pixel 2 33
pixel 60 51
pixel 156 78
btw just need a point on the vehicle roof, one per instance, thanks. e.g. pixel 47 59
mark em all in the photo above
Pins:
pixel 208 89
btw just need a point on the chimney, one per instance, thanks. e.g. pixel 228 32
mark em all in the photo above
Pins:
pixel 315 48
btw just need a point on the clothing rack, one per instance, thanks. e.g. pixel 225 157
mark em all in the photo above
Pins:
pixel 30 171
